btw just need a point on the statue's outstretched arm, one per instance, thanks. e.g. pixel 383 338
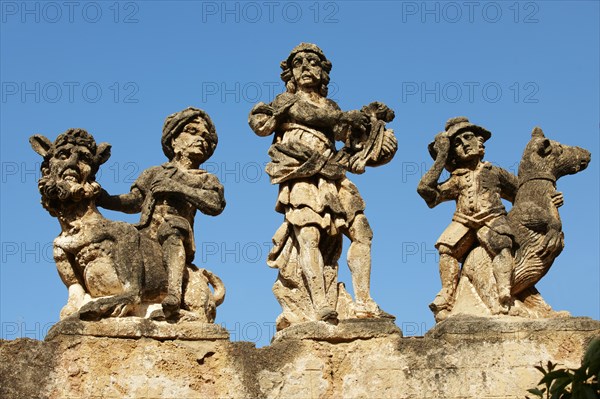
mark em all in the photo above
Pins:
pixel 127 203
pixel 509 184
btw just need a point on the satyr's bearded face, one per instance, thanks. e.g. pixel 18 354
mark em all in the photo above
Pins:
pixel 67 176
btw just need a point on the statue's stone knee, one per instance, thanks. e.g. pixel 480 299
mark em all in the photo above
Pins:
pixel 360 230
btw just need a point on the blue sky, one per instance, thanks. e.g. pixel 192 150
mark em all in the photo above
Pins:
pixel 118 69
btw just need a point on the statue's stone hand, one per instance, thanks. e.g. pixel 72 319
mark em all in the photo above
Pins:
pixel 356 120
pixel 262 108
pixel 163 183
pixel 283 108
pixel 553 242
pixel 558 199
pixel 442 144
pixel 389 145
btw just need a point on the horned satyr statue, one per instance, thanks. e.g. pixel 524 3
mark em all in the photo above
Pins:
pixel 117 269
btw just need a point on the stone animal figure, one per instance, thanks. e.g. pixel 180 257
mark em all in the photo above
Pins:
pixel 538 232
pixel 109 267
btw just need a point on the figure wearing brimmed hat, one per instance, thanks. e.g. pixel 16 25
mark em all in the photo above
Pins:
pixel 480 217
pixel 319 202
pixel 168 195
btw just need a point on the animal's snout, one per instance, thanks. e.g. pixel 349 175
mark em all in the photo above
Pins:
pixel 584 158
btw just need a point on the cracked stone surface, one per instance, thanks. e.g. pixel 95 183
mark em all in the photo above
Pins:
pixel 462 357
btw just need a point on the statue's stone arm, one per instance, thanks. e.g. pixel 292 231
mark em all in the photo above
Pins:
pixel 65 266
pixel 74 283
pixel 209 199
pixel 428 188
pixel 264 119
pixel 509 184
pixel 128 203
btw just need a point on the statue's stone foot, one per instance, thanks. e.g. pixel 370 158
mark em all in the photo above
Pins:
pixel 440 307
pixel 441 315
pixel 370 310
pixel 506 300
pixel 186 315
pixel 442 301
pixel 99 308
pixel 170 306
pixel 156 313
pixel 561 313
pixel 328 315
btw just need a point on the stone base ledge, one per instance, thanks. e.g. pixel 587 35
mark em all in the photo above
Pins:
pixel 344 331
pixel 464 327
pixel 136 327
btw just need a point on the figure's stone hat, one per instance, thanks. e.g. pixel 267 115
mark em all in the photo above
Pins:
pixel 458 125
pixel 461 123
pixel 305 47
pixel 175 123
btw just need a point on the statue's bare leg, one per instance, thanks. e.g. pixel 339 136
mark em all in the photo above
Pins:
pixel 312 265
pixel 449 271
pixel 174 259
pixel 359 262
pixel 503 265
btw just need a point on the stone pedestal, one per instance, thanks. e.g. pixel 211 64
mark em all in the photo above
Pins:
pixel 137 327
pixel 345 331
pixel 463 357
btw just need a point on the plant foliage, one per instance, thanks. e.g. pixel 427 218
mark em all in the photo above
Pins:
pixel 562 383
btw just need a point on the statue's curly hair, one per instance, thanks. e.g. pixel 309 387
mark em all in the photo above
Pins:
pixel 78 137
pixel 75 136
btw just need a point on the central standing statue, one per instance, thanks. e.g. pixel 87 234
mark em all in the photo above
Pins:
pixel 319 202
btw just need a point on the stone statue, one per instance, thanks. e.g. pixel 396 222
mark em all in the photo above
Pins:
pixel 169 195
pixel 503 255
pixel 320 204
pixel 117 269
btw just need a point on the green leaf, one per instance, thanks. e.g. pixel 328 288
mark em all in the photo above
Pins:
pixel 553 375
pixel 560 384
pixel 591 359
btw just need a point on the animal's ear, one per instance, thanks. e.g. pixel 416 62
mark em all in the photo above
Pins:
pixel 40 144
pixel 545 147
pixel 103 153
pixel 537 132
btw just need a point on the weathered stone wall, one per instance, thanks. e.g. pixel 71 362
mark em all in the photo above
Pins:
pixel 460 358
